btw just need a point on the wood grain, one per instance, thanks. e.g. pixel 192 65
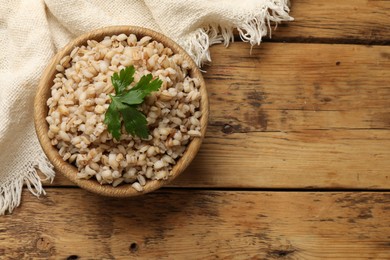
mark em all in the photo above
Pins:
pixel 292 87
pixel 199 224
pixel 334 21
pixel 308 159
pixel 318 118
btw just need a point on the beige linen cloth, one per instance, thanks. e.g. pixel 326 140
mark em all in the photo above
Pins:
pixel 31 32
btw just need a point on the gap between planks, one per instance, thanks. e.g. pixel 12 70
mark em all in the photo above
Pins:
pixel 232 189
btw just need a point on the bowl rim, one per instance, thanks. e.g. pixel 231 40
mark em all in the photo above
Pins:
pixel 41 111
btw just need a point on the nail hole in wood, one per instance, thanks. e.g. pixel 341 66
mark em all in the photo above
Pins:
pixel 227 129
pixel 133 247
pixel 72 257
pixel 338 63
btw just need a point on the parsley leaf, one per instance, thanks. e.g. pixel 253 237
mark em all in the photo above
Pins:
pixel 113 121
pixel 122 80
pixel 135 97
pixel 123 105
pixel 135 122
pixel 144 87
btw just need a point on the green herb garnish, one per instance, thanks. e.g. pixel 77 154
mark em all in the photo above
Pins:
pixel 124 104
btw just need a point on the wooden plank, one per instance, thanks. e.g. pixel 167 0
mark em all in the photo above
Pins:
pixel 351 21
pixel 284 87
pixel 309 159
pixel 74 224
pixel 307 122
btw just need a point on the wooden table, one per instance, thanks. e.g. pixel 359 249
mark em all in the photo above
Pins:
pixel 295 165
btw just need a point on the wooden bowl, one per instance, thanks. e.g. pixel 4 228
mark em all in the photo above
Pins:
pixel 69 170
